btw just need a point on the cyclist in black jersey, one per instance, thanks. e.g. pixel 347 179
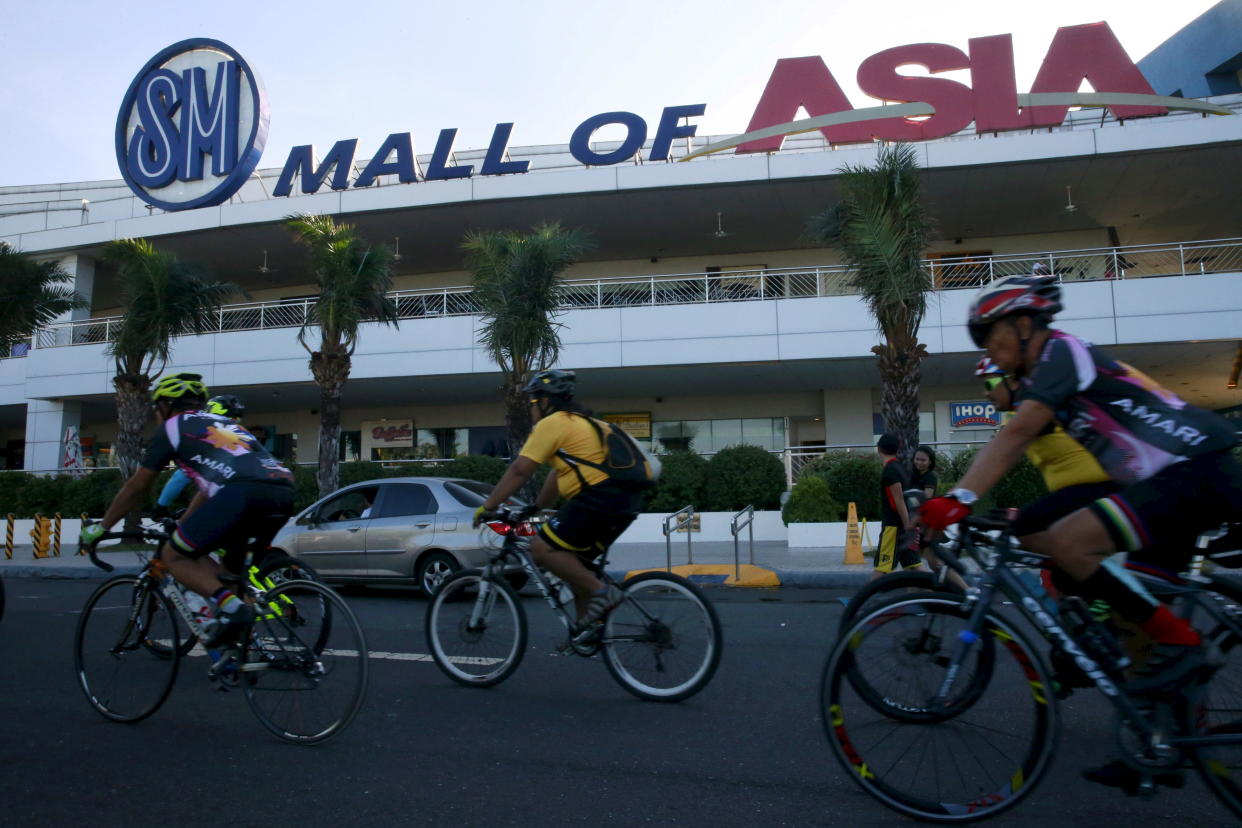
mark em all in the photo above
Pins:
pixel 245 495
pixel 1171 460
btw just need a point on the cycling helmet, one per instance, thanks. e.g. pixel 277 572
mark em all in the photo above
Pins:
pixel 226 405
pixel 176 386
pixel 987 368
pixel 1010 296
pixel 551 383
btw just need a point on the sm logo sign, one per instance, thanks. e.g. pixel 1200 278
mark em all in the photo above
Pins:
pixel 192 126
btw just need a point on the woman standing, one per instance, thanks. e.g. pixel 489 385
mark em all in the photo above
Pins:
pixel 925 478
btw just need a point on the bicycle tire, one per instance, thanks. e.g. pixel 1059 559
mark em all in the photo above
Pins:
pixel 662 617
pixel 299 693
pixel 881 590
pixel 276 569
pixel 865 740
pixel 113 653
pixel 1216 710
pixel 496 646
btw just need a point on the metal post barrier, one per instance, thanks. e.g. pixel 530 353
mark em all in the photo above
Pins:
pixel 56 536
pixel 84 518
pixel 683 517
pixel 39 536
pixel 749 512
pixel 8 537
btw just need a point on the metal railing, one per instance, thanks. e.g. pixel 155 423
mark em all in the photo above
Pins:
pixel 1136 261
pixel 683 518
pixel 734 527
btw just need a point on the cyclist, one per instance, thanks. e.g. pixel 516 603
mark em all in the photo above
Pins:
pixel 226 405
pixel 596 509
pixel 1171 460
pixel 244 493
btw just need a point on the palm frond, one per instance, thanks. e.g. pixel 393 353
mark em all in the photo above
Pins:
pixel 32 295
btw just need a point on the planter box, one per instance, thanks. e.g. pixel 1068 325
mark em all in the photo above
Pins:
pixel 816 534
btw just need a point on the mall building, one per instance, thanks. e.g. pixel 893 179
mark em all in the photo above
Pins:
pixel 704 316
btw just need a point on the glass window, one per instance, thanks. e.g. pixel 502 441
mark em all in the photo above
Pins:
pixel 354 504
pixel 350 446
pixel 402 499
pixel 442 443
pixel 470 493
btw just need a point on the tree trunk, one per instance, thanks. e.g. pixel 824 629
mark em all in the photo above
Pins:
pixel 133 411
pixel 517 422
pixel 901 371
pixel 331 370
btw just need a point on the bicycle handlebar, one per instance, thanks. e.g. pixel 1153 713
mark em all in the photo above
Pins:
pixel 141 534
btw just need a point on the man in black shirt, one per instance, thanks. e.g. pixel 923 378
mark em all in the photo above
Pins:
pixel 894 518
pixel 244 493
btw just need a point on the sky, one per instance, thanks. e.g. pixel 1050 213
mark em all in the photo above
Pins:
pixel 367 68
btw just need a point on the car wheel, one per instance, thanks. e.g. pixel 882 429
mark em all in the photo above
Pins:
pixel 434 570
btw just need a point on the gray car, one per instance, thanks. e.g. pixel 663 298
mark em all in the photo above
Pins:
pixel 399 530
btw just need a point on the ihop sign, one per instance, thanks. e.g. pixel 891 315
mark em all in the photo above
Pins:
pixel 192 126
pixel 972 415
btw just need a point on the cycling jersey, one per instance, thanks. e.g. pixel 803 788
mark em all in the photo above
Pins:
pixel 213 451
pixel 1127 421
pixel 574 434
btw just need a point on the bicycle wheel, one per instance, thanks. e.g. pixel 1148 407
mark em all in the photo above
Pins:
pixel 300 693
pixel 476 629
pixel 663 641
pixel 891 586
pixel 970 763
pixel 123 649
pixel 276 569
pixel 1218 709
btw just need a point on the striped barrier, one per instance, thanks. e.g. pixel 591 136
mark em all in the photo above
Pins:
pixel 8 537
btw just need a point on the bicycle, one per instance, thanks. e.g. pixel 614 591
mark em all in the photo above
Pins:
pixel 940 706
pixel 301 664
pixel 661 643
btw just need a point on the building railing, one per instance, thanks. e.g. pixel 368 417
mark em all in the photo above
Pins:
pixel 947 273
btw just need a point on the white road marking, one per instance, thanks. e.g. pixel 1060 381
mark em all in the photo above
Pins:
pixel 380 654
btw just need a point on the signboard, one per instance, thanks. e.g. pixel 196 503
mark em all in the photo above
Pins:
pixel 977 414
pixel 389 433
pixel 637 425
pixel 194 101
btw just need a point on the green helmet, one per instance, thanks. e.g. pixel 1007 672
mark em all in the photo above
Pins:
pixel 179 386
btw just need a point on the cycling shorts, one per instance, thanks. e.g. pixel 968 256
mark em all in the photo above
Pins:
pixel 1040 514
pixel 1169 510
pixel 584 530
pixel 238 517
pixel 895 548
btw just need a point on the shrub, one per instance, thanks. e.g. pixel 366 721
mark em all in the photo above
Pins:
pixel 477 467
pixel 92 493
pixel 42 494
pixel 11 483
pixel 852 477
pixel 810 502
pixel 742 476
pixel 1021 485
pixel 681 483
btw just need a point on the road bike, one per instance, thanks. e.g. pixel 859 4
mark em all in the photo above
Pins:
pixel 661 643
pixel 942 707
pixel 301 665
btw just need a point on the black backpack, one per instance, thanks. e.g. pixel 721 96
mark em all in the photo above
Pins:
pixel 625 462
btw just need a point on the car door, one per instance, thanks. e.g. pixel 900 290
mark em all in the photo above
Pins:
pixel 402 525
pixel 333 539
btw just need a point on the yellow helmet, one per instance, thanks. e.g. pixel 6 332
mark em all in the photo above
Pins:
pixel 176 386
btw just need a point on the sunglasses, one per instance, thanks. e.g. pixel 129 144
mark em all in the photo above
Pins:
pixel 991 382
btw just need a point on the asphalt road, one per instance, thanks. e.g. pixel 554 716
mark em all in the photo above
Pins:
pixel 558 744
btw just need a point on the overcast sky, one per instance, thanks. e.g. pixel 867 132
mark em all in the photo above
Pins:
pixel 367 68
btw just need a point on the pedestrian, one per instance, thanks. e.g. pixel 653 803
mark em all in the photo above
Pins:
pixel 924 478
pixel 895 523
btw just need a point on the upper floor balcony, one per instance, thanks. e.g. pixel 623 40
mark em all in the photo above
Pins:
pixel 736 285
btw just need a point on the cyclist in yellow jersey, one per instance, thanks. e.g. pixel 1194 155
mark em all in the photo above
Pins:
pixel 596 509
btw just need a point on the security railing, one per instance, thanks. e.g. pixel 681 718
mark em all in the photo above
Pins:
pixel 947 273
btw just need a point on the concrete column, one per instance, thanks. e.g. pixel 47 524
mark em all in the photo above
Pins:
pixel 82 269
pixel 847 417
pixel 46 421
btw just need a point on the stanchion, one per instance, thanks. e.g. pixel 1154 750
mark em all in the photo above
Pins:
pixel 8 538
pixel 56 536
pixel 41 536
pixel 84 519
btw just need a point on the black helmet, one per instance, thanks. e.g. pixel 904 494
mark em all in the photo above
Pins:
pixel 551 383
pixel 226 405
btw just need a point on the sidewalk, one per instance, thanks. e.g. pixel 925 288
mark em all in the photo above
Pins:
pixel 775 564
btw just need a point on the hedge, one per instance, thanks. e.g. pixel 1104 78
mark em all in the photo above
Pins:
pixel 811 502
pixel 851 477
pixel 681 483
pixel 741 476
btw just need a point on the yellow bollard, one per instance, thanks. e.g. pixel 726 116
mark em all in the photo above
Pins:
pixel 56 536
pixel 853 537
pixel 8 538
pixel 40 536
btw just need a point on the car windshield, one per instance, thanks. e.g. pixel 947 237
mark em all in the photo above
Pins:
pixel 470 493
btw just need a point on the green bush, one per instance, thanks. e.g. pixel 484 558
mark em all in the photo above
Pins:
pixel 92 493
pixel 811 502
pixel 1021 485
pixel 681 483
pixel 11 483
pixel 478 467
pixel 742 476
pixel 852 477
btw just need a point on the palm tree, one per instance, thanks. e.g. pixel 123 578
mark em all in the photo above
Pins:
pixel 517 289
pixel 164 299
pixel 354 280
pixel 881 228
pixel 32 294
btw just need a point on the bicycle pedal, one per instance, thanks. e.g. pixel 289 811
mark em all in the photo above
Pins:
pixel 587 635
